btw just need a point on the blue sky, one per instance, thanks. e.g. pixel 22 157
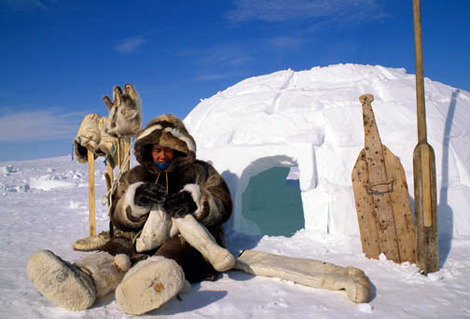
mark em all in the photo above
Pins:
pixel 58 57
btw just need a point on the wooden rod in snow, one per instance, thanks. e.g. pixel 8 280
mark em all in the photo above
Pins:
pixel 91 191
pixel 424 170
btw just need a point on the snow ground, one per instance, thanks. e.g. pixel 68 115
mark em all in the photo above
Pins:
pixel 53 213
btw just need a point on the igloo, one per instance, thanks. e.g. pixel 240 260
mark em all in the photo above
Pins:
pixel 297 136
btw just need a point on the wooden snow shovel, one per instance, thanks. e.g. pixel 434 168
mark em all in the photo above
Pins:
pixel 381 194
pixel 424 170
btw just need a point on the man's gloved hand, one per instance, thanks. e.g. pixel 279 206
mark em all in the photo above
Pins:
pixel 180 204
pixel 149 194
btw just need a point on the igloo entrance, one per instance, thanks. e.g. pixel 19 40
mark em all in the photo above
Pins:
pixel 272 202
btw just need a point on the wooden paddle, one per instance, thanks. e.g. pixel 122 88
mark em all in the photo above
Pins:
pixel 424 170
pixel 381 194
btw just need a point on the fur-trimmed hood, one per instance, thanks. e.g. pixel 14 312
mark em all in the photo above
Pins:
pixel 168 131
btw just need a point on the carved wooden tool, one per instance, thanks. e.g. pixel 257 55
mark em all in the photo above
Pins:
pixel 424 170
pixel 381 194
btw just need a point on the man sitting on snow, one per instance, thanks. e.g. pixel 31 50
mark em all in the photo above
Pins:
pixel 168 212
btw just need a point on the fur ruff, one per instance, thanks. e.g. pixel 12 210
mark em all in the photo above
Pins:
pixel 137 211
pixel 195 192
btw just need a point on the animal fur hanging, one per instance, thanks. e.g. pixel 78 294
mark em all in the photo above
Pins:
pixel 125 112
pixel 88 138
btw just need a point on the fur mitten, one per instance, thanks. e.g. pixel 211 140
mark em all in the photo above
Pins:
pixel 180 204
pixel 88 137
pixel 148 194
pixel 125 112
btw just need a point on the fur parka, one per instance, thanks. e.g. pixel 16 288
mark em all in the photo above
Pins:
pixel 214 204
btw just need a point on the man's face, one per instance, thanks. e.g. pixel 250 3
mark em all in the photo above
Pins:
pixel 162 154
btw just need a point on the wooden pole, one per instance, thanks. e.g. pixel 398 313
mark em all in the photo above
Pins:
pixel 119 153
pixel 109 176
pixel 127 149
pixel 424 169
pixel 91 191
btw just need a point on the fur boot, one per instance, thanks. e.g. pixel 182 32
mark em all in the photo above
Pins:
pixel 108 146
pixel 150 284
pixel 64 284
pixel 88 137
pixel 308 272
pixel 156 230
pixel 160 227
pixel 76 286
pixel 107 271
pixel 125 112
pixel 199 237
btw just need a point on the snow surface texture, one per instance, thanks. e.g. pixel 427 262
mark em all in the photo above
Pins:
pixel 44 203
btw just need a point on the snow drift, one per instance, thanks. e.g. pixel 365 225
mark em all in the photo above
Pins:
pixel 311 123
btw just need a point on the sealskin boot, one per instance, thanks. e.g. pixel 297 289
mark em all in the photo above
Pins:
pixel 150 284
pixel 76 286
pixel 64 284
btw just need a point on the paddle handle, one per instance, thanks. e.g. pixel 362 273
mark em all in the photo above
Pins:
pixel 420 104
pixel 427 247
pixel 421 114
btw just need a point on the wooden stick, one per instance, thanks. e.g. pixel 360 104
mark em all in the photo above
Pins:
pixel 119 153
pixel 127 149
pixel 91 191
pixel 109 176
pixel 424 170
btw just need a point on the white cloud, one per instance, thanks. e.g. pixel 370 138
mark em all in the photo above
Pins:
pixel 130 45
pixel 42 125
pixel 289 10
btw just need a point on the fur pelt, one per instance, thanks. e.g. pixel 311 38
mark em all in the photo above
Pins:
pixel 125 112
